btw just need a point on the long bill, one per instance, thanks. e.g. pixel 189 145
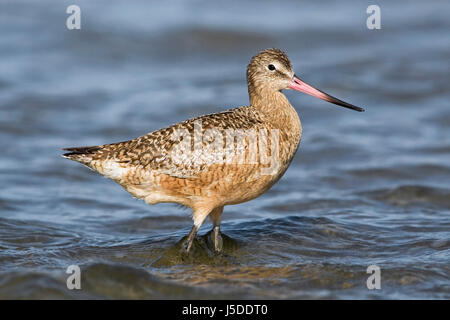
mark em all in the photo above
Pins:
pixel 300 85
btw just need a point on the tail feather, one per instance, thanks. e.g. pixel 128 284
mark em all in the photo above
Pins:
pixel 80 153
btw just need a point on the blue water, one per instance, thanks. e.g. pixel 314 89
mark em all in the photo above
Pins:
pixel 364 188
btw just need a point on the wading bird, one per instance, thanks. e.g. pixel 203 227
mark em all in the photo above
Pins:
pixel 149 168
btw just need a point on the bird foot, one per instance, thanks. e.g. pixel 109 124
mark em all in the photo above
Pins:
pixel 186 247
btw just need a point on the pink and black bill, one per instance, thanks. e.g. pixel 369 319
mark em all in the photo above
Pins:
pixel 300 85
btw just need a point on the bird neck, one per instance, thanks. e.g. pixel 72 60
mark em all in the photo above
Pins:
pixel 274 105
pixel 277 113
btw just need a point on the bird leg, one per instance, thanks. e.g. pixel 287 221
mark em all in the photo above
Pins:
pixel 215 237
pixel 199 216
pixel 190 239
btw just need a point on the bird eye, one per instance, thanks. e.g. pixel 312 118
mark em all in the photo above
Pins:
pixel 271 67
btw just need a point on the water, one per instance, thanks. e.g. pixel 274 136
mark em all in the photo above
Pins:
pixel 364 188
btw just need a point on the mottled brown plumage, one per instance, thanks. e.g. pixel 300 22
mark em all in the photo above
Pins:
pixel 146 166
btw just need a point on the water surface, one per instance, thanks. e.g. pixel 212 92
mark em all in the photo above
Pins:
pixel 364 188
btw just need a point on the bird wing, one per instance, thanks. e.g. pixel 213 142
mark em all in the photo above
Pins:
pixel 155 150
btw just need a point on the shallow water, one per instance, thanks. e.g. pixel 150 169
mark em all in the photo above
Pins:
pixel 364 189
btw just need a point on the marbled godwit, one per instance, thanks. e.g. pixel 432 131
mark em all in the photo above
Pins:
pixel 145 166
